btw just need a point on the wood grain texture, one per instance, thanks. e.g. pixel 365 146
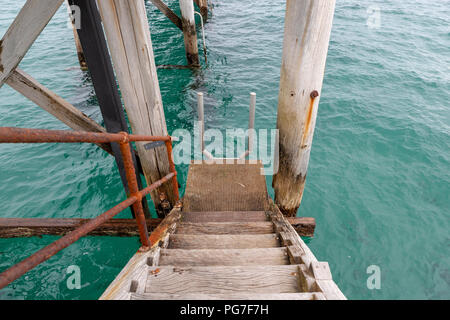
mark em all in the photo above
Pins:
pixel 330 290
pixel 306 36
pixel 168 13
pixel 235 241
pixel 225 228
pixel 54 104
pixel 224 216
pixel 304 226
pixel 299 253
pixel 230 279
pixel 225 187
pixel 230 296
pixel 128 35
pixel 31 227
pixel 26 27
pixel 189 31
pixel 224 257
pixel 119 289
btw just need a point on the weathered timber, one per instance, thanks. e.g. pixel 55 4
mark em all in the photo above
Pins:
pixel 306 37
pixel 223 279
pixel 230 296
pixel 80 53
pixel 168 13
pixel 304 226
pixel 54 104
pixel 100 68
pixel 32 227
pixel 223 257
pixel 136 269
pixel 305 255
pixel 135 68
pixel 225 187
pixel 203 6
pixel 224 216
pixel 214 241
pixel 256 227
pixel 238 259
pixel 189 32
pixel 26 27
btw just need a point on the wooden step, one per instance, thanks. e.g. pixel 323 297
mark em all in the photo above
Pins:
pixel 225 187
pixel 230 296
pixel 224 216
pixel 213 280
pixel 225 228
pixel 223 257
pixel 234 241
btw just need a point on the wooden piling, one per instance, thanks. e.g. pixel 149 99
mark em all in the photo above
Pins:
pixel 203 6
pixel 306 36
pixel 189 31
pixel 80 53
pixel 128 35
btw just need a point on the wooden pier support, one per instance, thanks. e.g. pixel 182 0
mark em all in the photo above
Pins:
pixel 37 227
pixel 128 35
pixel 80 53
pixel 306 37
pixel 168 13
pixel 93 40
pixel 189 31
pixel 203 6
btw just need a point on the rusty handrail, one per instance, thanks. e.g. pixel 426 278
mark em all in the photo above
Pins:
pixel 22 135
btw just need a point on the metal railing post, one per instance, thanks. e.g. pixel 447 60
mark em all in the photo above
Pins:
pixel 134 189
pixel 172 169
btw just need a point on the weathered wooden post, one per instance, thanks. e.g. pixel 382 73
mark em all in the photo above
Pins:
pixel 306 37
pixel 189 32
pixel 128 35
pixel 203 6
pixel 80 53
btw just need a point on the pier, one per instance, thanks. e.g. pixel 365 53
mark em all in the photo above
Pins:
pixel 228 241
pixel 226 238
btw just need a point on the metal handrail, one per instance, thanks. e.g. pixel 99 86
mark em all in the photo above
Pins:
pixel 21 135
pixel 251 127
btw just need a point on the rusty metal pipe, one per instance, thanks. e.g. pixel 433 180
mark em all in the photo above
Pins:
pixel 157 184
pixel 134 137
pixel 172 169
pixel 125 150
pixel 23 135
pixel 44 254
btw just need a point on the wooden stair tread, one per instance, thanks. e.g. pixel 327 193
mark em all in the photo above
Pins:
pixel 223 279
pixel 224 216
pixel 230 296
pixel 225 187
pixel 230 241
pixel 223 257
pixel 256 227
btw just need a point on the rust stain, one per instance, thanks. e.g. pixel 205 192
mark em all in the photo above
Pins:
pixel 157 235
pixel 313 95
pixel 155 272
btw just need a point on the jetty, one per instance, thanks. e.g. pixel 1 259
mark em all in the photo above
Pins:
pixel 228 241
pixel 225 238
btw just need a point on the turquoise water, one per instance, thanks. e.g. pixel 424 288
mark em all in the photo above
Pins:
pixel 378 180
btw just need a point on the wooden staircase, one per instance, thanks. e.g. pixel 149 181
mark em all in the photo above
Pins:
pixel 229 241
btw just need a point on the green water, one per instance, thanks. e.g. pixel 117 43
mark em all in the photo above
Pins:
pixel 378 181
